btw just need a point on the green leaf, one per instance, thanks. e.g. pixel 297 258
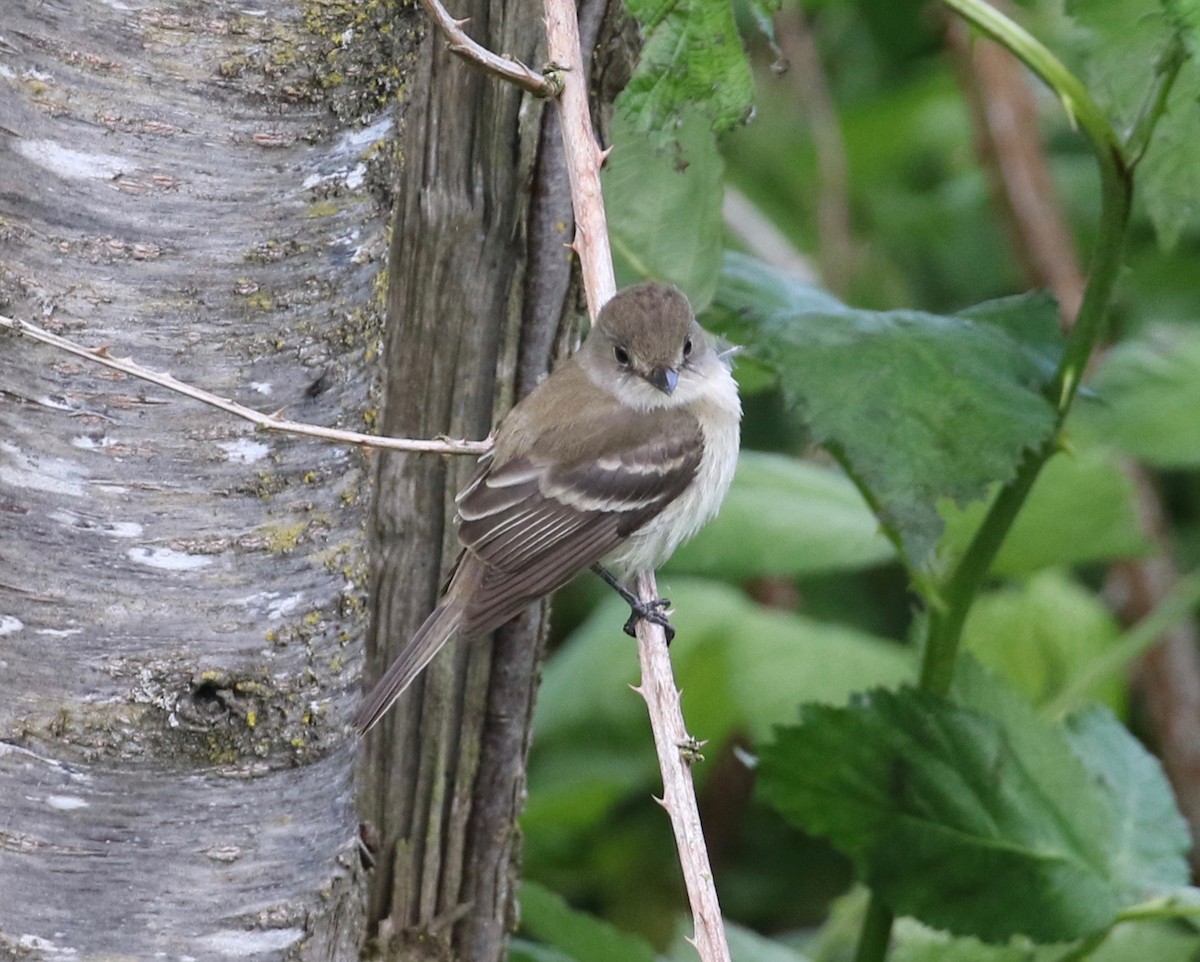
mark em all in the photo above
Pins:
pixel 919 943
pixel 745 945
pixel 784 516
pixel 519 950
pixel 583 937
pixel 1119 46
pixel 1169 175
pixel 1149 392
pixel 1149 942
pixel 1040 635
pixel 1126 942
pixel 1123 46
pixel 983 822
pixel 691 57
pixel 664 207
pixel 1082 509
pixel 1151 838
pixel 740 666
pixel 919 407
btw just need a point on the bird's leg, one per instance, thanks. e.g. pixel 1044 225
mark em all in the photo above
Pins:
pixel 651 611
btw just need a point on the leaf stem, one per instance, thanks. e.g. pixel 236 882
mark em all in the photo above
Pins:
pixel 947 619
pixel 960 588
pixel 876 932
pixel 1170 61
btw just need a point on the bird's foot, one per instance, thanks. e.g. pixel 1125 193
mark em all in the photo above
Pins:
pixel 651 611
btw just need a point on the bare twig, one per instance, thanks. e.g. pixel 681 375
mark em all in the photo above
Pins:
pixel 671 740
pixel 267 422
pixel 584 156
pixel 506 68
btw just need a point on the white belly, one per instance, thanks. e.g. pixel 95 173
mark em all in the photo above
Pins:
pixel 651 545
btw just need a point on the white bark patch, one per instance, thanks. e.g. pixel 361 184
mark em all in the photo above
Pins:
pixel 52 475
pixel 65 803
pixel 244 451
pixel 114 529
pixel 10 625
pixel 71 164
pixel 235 943
pixel 168 559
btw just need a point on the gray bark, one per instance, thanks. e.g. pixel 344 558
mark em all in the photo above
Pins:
pixel 181 599
pixel 479 284
pixel 443 772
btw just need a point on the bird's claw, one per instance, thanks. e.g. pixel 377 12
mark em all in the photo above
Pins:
pixel 651 611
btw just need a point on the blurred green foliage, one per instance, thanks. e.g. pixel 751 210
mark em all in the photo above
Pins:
pixel 920 373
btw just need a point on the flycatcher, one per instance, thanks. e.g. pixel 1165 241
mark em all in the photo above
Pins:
pixel 622 453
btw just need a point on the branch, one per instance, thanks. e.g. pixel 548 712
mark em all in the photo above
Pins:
pixel 674 746
pixel 583 155
pixel 267 422
pixel 546 87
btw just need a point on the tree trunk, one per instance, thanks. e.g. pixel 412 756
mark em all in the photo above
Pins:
pixel 181 599
pixel 443 805
pixel 479 282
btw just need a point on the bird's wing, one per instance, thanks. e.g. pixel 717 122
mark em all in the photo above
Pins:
pixel 534 522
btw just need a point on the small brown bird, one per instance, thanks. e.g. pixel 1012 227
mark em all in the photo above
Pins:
pixel 621 454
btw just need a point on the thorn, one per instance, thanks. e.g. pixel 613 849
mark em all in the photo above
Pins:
pixel 693 941
pixel 661 801
pixel 459 24
pixel 101 351
pixel 638 689
pixel 604 154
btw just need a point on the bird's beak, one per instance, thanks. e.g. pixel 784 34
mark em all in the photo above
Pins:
pixel 665 379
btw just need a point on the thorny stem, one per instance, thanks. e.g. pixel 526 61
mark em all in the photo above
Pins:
pixel 658 688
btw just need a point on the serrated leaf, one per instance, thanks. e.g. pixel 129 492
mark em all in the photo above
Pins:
pixel 583 937
pixel 784 516
pixel 664 207
pixel 981 823
pixel 1127 942
pixel 1149 391
pixel 691 57
pixel 918 406
pixel 919 943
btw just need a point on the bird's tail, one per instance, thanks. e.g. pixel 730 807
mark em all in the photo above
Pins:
pixel 427 642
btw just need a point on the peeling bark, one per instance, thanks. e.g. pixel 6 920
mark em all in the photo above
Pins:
pixel 181 597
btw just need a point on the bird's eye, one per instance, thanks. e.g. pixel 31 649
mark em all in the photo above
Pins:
pixel 621 355
pixel 687 347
